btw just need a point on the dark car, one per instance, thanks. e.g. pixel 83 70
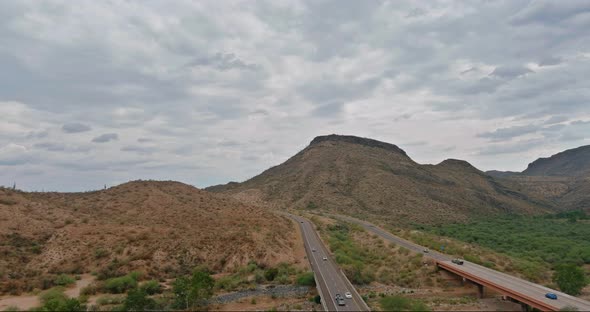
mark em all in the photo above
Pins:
pixel 340 300
pixel 551 296
pixel 457 261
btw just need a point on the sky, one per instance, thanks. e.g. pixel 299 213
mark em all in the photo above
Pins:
pixel 96 93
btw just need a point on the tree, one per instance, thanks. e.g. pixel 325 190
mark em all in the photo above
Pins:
pixel 570 278
pixel 202 285
pixel 181 289
pixel 193 291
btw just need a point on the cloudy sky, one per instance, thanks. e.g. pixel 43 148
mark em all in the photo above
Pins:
pixel 204 92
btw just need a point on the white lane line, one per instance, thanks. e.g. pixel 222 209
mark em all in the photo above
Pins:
pixel 319 269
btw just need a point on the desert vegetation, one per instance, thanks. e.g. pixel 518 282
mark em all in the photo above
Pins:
pixel 365 258
pixel 539 245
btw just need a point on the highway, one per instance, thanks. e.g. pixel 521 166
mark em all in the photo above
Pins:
pixel 330 280
pixel 516 288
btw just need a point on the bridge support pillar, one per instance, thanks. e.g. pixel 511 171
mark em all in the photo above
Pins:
pixel 479 291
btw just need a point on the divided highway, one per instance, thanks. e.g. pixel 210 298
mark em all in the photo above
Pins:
pixel 330 279
pixel 519 289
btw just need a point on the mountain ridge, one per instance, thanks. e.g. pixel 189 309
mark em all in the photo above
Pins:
pixel 353 175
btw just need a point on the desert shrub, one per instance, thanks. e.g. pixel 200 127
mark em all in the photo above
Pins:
pixel 121 284
pixel 100 253
pixel 270 274
pixel 152 287
pixel 64 280
pixel 91 289
pixel 56 293
pixel 306 279
pixel 54 299
pixel 110 300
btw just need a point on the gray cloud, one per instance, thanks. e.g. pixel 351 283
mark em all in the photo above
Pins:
pixel 511 148
pixel 509 133
pixel 225 61
pixel 49 146
pixel 510 71
pixel 550 61
pixel 547 11
pixel 139 149
pixel 106 138
pixel 195 77
pixel 75 128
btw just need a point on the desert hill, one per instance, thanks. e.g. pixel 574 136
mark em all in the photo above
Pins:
pixel 562 179
pixel 359 176
pixel 159 228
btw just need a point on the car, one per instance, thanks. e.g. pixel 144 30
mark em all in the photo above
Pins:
pixel 551 296
pixel 348 295
pixel 457 261
pixel 313 249
pixel 325 258
pixel 340 300
pixel 426 250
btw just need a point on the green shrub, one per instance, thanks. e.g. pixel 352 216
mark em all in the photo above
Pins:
pixel 152 287
pixel 570 279
pixel 270 274
pixel 56 293
pixel 110 300
pixel 138 300
pixel 54 299
pixel 306 279
pixel 121 284
pixel 64 280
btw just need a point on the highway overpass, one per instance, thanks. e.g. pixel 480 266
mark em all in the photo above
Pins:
pixel 520 290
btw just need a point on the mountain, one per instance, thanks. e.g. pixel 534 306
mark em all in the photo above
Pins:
pixel 570 163
pixel 360 176
pixel 563 180
pixel 159 228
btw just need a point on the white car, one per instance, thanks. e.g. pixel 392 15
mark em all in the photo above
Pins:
pixel 325 258
pixel 348 295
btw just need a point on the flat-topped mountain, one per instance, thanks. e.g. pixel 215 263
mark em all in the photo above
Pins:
pixel 360 176
pixel 162 229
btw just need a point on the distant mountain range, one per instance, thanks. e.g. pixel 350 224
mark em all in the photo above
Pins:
pixel 360 176
pixel 563 179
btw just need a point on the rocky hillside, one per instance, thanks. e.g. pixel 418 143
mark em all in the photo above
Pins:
pixel 361 176
pixel 563 179
pixel 570 163
pixel 159 228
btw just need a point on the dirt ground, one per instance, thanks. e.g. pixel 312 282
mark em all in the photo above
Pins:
pixel 28 301
pixel 266 303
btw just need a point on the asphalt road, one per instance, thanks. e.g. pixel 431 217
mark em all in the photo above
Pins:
pixel 510 283
pixel 330 279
